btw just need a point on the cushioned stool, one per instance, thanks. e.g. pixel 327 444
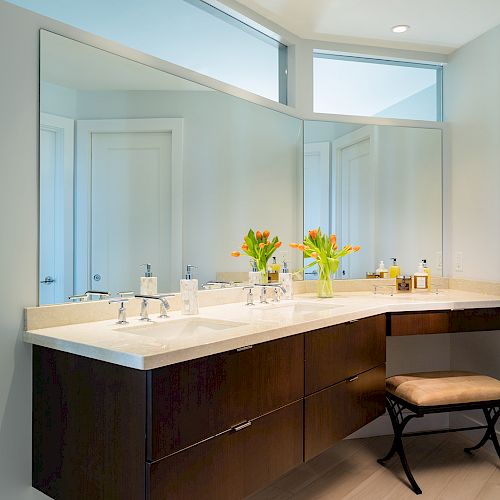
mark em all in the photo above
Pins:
pixel 438 392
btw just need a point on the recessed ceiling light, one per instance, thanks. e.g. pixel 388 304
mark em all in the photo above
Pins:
pixel 400 28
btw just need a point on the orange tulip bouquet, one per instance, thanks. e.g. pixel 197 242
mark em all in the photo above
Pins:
pixel 260 247
pixel 324 250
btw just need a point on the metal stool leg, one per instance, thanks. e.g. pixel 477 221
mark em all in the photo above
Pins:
pixel 491 415
pixel 398 424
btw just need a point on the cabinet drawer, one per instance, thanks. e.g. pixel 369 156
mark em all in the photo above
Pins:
pixel 333 413
pixel 338 352
pixel 191 401
pixel 475 320
pixel 419 323
pixel 234 464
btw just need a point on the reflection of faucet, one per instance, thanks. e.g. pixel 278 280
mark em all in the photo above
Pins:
pixel 84 297
pixel 216 284
pixel 164 305
pixel 249 295
pixel 263 291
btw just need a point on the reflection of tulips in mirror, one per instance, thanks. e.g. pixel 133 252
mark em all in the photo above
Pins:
pixel 260 247
pixel 324 250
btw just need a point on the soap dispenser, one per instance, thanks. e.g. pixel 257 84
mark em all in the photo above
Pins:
pixel 149 283
pixel 189 293
pixel 285 278
pixel 394 270
pixel 420 278
pixel 382 270
pixel 254 276
pixel 427 270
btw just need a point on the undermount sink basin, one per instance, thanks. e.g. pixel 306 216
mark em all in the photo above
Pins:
pixel 181 327
pixel 295 310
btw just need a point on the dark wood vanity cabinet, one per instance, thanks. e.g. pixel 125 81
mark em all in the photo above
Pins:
pixel 344 381
pixel 338 352
pixel 194 400
pixel 446 321
pixel 337 411
pixel 233 464
pixel 217 427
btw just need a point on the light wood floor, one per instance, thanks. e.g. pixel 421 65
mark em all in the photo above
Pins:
pixel 349 471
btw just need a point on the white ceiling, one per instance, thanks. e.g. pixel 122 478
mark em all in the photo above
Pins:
pixel 82 67
pixel 436 25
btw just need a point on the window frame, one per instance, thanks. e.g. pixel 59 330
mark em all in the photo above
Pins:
pixel 394 62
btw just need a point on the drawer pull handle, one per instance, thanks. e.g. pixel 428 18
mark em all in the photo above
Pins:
pixel 244 348
pixel 353 379
pixel 242 426
pixel 353 321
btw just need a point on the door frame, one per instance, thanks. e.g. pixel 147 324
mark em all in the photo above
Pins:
pixel 64 129
pixel 345 141
pixel 83 179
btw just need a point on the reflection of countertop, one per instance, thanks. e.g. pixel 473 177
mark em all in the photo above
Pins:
pixel 107 341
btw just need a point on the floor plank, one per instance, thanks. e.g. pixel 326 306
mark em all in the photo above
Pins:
pixel 349 471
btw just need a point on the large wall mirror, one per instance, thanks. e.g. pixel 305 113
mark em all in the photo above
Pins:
pixel 139 166
pixel 375 186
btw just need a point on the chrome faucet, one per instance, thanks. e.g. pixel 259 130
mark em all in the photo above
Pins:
pixel 122 313
pixel 263 291
pixel 164 305
pixel 84 297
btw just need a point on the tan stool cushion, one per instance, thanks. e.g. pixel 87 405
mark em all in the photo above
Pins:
pixel 443 388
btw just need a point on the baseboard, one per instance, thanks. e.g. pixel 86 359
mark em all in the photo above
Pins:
pixel 382 425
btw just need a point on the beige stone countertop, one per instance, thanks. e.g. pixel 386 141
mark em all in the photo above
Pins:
pixel 226 327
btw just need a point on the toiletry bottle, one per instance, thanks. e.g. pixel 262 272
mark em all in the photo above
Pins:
pixel 420 278
pixel 254 276
pixel 403 283
pixel 189 293
pixel 394 270
pixel 149 283
pixel 273 271
pixel 427 270
pixel 382 271
pixel 285 278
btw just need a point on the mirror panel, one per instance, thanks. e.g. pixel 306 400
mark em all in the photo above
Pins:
pixel 139 166
pixel 376 186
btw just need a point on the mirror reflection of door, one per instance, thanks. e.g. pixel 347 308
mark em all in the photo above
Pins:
pixel 316 193
pixel 56 208
pixel 130 220
pixel 356 188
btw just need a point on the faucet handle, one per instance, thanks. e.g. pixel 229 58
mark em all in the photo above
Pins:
pixel 249 295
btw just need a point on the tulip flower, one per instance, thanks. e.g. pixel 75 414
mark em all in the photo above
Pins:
pixel 357 248
pixel 258 235
pixel 266 234
pixel 244 246
pixel 313 233
pixel 333 239
pixel 314 255
pixel 294 245
pixel 235 254
pixel 262 245
pixel 301 247
pixel 277 244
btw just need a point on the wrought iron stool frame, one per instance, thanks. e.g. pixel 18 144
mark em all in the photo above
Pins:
pixel 396 406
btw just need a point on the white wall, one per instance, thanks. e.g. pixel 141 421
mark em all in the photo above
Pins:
pixel 19 242
pixel 472 109
pixel 242 167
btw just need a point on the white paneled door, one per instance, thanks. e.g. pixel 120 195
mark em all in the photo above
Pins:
pixel 56 209
pixel 131 213
pixel 128 203
pixel 355 203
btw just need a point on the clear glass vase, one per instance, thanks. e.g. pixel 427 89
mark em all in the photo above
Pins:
pixel 325 283
pixel 263 271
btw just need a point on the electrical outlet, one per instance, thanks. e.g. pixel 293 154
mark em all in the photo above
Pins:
pixel 439 260
pixel 459 262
